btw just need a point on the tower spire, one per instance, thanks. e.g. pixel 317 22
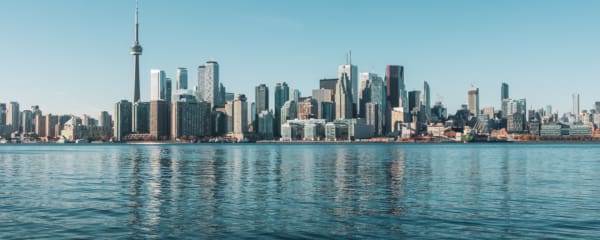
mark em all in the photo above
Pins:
pixel 136 51
pixel 136 22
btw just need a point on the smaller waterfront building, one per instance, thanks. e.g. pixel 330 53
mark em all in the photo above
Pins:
pixel 265 124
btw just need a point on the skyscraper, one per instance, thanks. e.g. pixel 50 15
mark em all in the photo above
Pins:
pixel 343 98
pixel 27 121
pixel 351 72
pixel 141 117
pixel 105 119
pixel 265 124
pixel 394 79
pixel 414 100
pixel 51 122
pixel 395 96
pixel 426 100
pixel 240 117
pixel 40 125
pixel 208 80
pixel 13 115
pixel 168 90
pixel 372 117
pixel 191 119
pixel 576 106
pixel 181 79
pixel 122 119
pixel 364 92
pixel 158 85
pixel 282 95
pixel 199 87
pixel 136 51
pixel 159 119
pixel 328 83
pixel 307 108
pixel 289 111
pixel 2 114
pixel 504 91
pixel 378 97
pixel 473 101
pixel 261 96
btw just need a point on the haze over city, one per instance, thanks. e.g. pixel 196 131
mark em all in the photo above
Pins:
pixel 73 57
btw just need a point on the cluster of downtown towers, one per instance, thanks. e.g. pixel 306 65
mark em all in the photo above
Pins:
pixel 207 110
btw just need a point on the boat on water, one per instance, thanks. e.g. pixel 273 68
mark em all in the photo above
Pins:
pixel 81 141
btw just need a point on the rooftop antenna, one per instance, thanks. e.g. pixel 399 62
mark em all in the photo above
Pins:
pixel 346 58
pixel 350 52
pixel 136 21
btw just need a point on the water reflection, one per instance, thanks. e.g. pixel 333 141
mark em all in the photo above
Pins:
pixel 298 191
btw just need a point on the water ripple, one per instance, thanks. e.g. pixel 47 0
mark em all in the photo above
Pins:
pixel 374 191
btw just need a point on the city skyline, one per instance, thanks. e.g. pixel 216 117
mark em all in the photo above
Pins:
pixel 67 31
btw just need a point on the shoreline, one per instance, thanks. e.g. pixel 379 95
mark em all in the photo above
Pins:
pixel 309 143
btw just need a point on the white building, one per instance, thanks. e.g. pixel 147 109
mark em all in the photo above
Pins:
pixel 240 116
pixel 158 85
pixel 352 73
pixel 208 82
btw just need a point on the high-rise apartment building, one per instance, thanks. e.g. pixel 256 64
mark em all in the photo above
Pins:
pixel 473 101
pixel 265 124
pixel 181 79
pixel 169 90
pixel 2 114
pixel 372 117
pixel 141 117
pixel 208 82
pixel 190 119
pixel 289 111
pixel 122 126
pixel 51 123
pixel 160 119
pixel 13 116
pixel 322 95
pixel 229 117
pixel 426 100
pixel 282 95
pixel 40 125
pixel 307 108
pixel 240 116
pixel 261 96
pixel 576 107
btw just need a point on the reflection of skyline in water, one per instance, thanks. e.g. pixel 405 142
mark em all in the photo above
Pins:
pixel 372 190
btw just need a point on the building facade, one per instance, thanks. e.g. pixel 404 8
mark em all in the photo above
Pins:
pixel 122 126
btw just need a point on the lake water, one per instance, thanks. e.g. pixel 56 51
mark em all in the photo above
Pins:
pixel 431 191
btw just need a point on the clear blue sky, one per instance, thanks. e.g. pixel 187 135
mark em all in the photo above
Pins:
pixel 72 56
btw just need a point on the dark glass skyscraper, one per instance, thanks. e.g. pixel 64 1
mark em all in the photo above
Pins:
pixel 261 99
pixel 504 92
pixel 122 126
pixel 282 95
pixel 136 51
pixel 394 79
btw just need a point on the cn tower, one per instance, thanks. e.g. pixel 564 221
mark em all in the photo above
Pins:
pixel 136 51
